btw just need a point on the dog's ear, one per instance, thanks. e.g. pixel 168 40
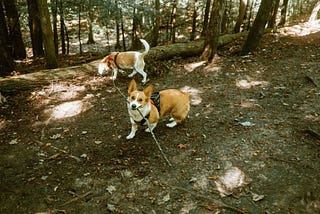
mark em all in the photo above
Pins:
pixel 148 90
pixel 132 86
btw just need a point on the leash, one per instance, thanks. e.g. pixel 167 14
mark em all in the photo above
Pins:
pixel 148 124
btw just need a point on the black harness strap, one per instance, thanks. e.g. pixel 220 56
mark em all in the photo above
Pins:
pixel 144 120
pixel 115 60
pixel 155 97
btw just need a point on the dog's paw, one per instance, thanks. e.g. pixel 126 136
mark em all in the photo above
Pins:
pixel 130 136
pixel 145 81
pixel 172 124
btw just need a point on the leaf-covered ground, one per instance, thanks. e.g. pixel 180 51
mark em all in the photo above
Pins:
pixel 63 147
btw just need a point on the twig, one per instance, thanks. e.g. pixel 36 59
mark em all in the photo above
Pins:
pixel 218 204
pixel 313 80
pixel 61 150
pixel 313 133
pixel 65 152
pixel 77 198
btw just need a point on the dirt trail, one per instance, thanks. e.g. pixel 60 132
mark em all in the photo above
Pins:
pixel 63 146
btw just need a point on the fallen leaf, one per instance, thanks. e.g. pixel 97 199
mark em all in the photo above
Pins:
pixel 256 197
pixel 111 189
pixel 54 156
pixel 13 142
pixel 182 146
pixel 210 208
pixel 214 177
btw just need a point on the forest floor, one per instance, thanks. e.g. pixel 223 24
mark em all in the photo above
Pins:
pixel 251 143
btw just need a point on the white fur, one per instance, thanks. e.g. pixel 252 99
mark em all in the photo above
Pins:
pixel 137 67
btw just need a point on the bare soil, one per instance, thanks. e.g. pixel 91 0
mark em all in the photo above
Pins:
pixel 64 149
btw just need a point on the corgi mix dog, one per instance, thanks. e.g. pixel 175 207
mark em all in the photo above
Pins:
pixel 146 105
pixel 117 61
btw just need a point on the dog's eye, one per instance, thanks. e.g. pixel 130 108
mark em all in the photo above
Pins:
pixel 140 100
pixel 133 97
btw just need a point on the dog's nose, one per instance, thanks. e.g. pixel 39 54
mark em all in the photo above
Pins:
pixel 133 106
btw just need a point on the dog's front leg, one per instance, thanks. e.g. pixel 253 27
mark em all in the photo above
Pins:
pixel 134 128
pixel 115 73
pixel 151 127
pixel 133 73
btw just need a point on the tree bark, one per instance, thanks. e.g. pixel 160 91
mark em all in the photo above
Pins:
pixel 194 20
pixel 54 9
pixel 284 8
pixel 173 21
pixel 206 18
pixel 241 15
pixel 258 27
pixel 156 26
pixel 15 36
pixel 272 21
pixel 35 28
pixel 62 28
pixel 90 21
pixel 6 59
pixel 47 35
pixel 212 37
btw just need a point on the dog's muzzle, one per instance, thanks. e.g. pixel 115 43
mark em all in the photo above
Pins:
pixel 134 106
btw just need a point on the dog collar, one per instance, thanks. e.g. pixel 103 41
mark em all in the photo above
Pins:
pixel 115 60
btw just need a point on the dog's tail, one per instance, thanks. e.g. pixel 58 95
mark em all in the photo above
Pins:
pixel 146 46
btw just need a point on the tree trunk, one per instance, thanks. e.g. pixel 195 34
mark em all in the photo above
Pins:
pixel 62 28
pixel 173 21
pixel 314 13
pixel 6 59
pixel 206 18
pixel 123 32
pixel 54 9
pixel 194 20
pixel 273 19
pixel 47 35
pixel 284 8
pixel 15 36
pixel 79 27
pixel 241 15
pixel 35 28
pixel 258 27
pixel 250 5
pixel 136 28
pixel 156 26
pixel 90 21
pixel 212 37
pixel 118 17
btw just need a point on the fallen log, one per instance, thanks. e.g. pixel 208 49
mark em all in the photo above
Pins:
pixel 187 49
pixel 41 78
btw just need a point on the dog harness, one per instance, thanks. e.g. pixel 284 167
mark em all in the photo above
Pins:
pixel 115 60
pixel 155 100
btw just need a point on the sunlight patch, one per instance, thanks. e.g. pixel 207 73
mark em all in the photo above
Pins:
pixel 67 109
pixel 3 123
pixel 302 29
pixel 194 94
pixel 245 84
pixel 192 66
